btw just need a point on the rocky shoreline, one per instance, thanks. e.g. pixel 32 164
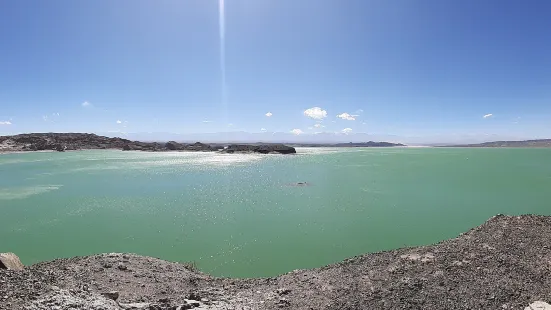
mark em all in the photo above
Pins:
pixel 503 264
pixel 83 141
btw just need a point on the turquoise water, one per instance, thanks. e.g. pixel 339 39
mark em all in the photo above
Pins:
pixel 238 215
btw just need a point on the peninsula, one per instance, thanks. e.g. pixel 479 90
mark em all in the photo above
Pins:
pixel 85 141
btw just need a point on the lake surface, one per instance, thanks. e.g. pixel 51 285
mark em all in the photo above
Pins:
pixel 240 216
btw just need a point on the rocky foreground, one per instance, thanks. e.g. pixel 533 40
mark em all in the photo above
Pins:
pixel 503 264
pixel 84 141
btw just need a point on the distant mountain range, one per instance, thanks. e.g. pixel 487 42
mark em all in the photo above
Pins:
pixel 350 144
pixel 525 143
pixel 257 137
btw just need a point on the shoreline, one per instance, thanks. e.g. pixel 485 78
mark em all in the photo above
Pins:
pixel 501 264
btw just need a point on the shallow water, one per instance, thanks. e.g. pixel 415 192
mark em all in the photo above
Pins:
pixel 241 216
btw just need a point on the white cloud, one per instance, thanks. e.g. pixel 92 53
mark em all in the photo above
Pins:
pixel 346 130
pixel 263 129
pixel 5 123
pixel 347 116
pixel 86 104
pixel 296 131
pixel 487 115
pixel 318 125
pixel 206 121
pixel 45 118
pixel 268 114
pixel 55 114
pixel 364 123
pixel 315 113
pixel 358 111
pixel 230 125
pixel 119 122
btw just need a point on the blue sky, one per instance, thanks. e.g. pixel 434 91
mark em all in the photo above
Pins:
pixel 427 69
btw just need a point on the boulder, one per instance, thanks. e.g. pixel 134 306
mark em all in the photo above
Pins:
pixel 10 261
pixel 113 295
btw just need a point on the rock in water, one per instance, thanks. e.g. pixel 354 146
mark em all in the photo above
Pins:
pixel 262 148
pixel 10 261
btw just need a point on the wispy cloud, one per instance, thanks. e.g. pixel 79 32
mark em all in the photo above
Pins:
pixel 206 121
pixel 55 114
pixel 359 111
pixel 119 122
pixel 268 114
pixel 45 118
pixel 316 113
pixel 318 125
pixel 346 130
pixel 230 125
pixel 347 116
pixel 5 123
pixel 86 104
pixel 263 129
pixel 487 115
pixel 296 131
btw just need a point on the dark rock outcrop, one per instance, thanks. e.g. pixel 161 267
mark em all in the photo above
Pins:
pixel 61 142
pixel 174 146
pixel 60 148
pixel 263 149
pixel 81 141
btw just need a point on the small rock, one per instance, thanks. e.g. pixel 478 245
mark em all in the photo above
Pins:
pixel 122 267
pixel 192 302
pixel 164 300
pixel 538 305
pixel 184 307
pixel 283 303
pixel 135 306
pixel 283 291
pixel 113 295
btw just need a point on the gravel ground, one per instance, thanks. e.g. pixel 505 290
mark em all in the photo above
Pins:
pixel 502 264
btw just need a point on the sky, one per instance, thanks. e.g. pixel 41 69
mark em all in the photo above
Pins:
pixel 424 71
